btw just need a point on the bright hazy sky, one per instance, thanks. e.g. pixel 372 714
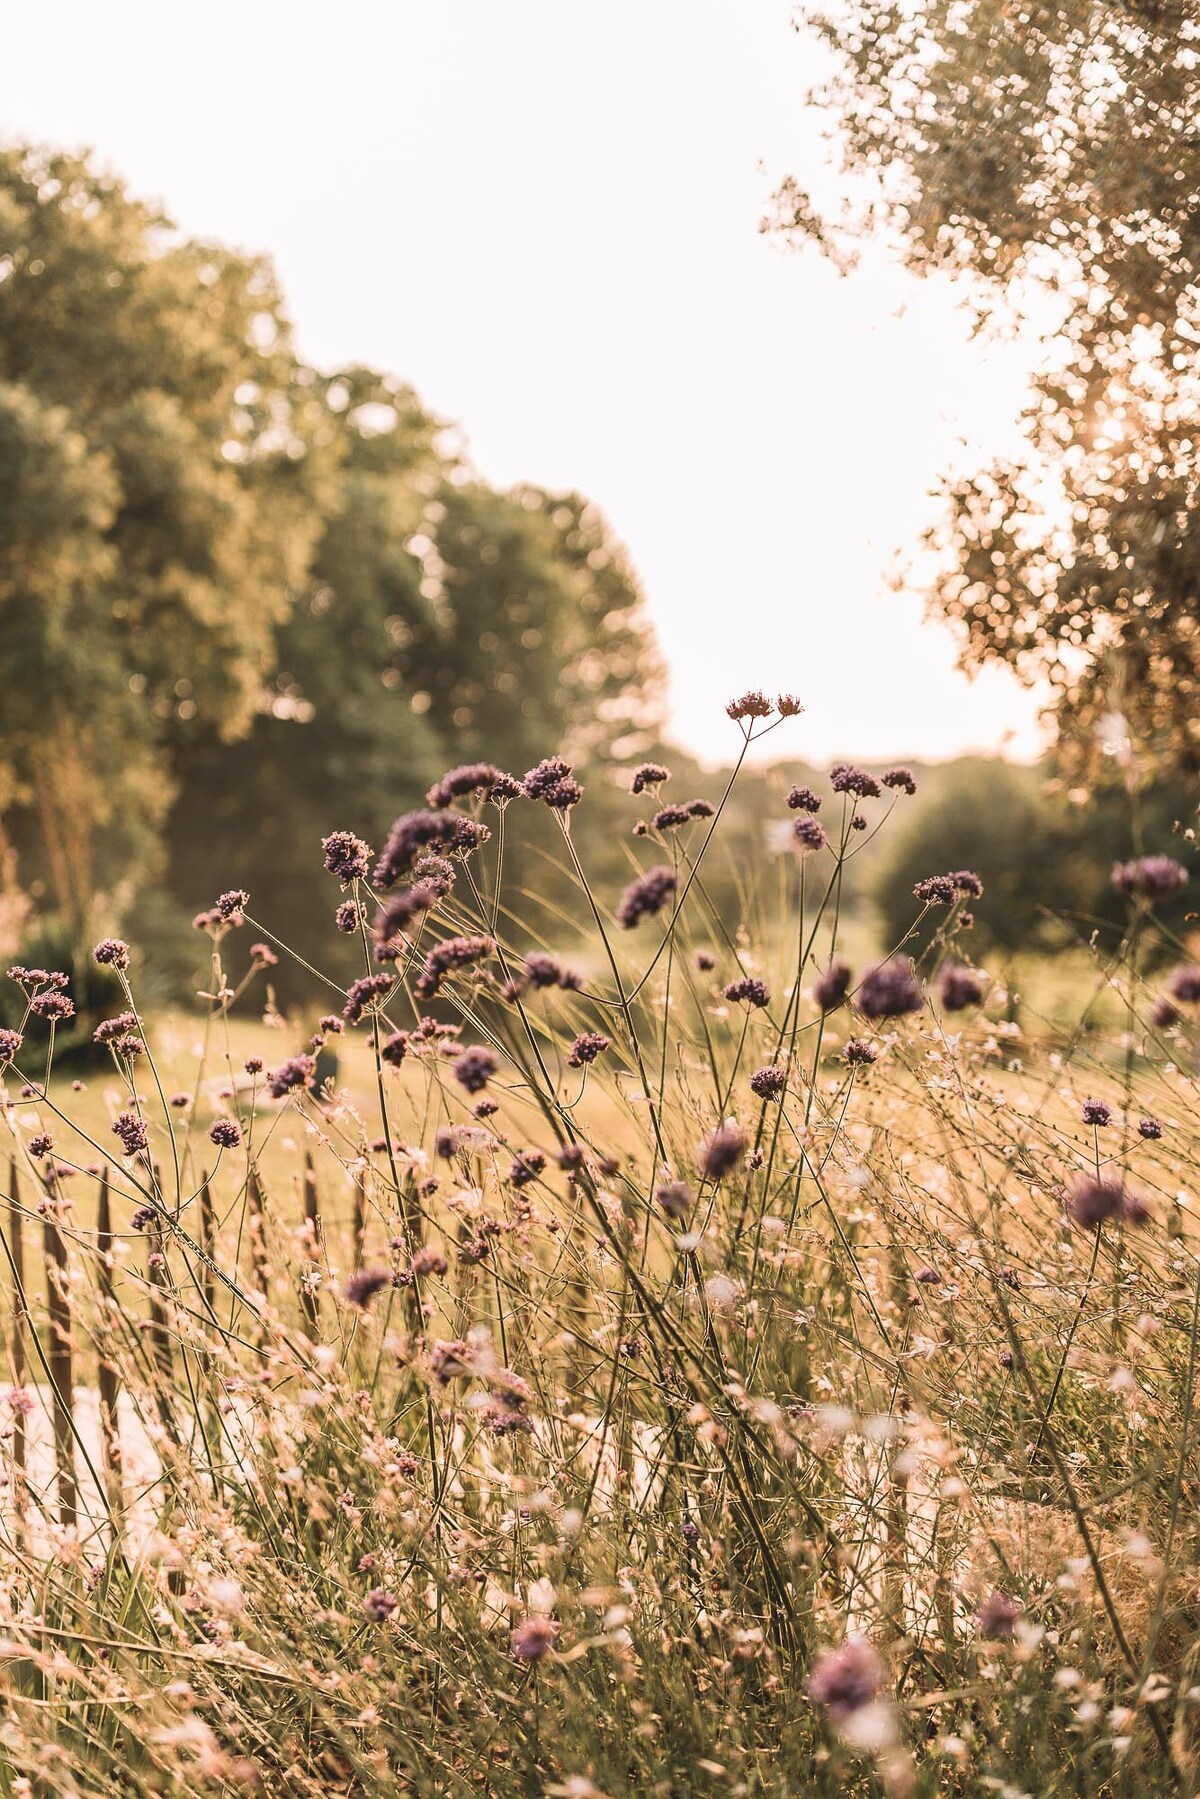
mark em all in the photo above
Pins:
pixel 543 214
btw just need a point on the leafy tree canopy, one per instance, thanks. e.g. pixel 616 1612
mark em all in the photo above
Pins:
pixel 1056 149
pixel 244 602
pixel 159 459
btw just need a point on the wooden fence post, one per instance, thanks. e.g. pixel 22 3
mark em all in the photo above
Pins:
pixel 16 1251
pixel 312 1226
pixel 109 1380
pixel 61 1361
pixel 360 1215
pixel 208 1243
pixel 160 1330
pixel 258 1231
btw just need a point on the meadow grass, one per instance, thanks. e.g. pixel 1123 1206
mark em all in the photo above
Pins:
pixel 728 1377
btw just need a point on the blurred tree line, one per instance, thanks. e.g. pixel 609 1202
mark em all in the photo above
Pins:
pixel 243 601
pixel 1044 849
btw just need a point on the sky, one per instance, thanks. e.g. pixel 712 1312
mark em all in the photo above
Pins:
pixel 544 215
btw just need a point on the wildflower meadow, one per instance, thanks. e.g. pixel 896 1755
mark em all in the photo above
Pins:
pixel 621 1350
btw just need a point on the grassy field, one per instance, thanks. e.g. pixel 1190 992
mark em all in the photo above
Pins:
pixel 789 1390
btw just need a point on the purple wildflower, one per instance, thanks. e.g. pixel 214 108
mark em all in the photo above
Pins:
pixel 645 896
pixel 769 1082
pixel 997 1615
pixel 750 705
pixel 346 856
pixel 672 816
pixel 110 1029
pixel 10 1045
pixel 52 1005
pixel 803 799
pixel 225 1133
pixel 231 907
pixel 379 1605
pixel 435 868
pixel 648 774
pixel 586 1047
pixel 297 1071
pixel 943 890
pixel 749 991
pixel 112 952
pixel 831 988
pixel 901 778
pixel 553 783
pixel 398 915
pixel 675 1198
pixel 474 1068
pixel 1184 984
pixel 809 834
pixel 788 705
pixel 41 1145
pixel 348 916
pixel 544 970
pixel 1092 1202
pixel 362 1287
pixel 1149 878
pixel 526 1167
pixel 847 1679
pixel 37 977
pixel 860 1054
pixel 470 779
pixel 1150 1129
pixel 1096 1112
pixel 132 1132
pixel 431 1030
pixel 452 1361
pixel 959 987
pixel 890 990
pixel 533 1639
pixel 395 1048
pixel 362 994
pixel 448 957
pixel 415 832
pixel 721 1151
pixel 847 779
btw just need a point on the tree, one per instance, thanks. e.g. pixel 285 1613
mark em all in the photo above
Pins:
pixel 335 741
pixel 550 649
pixel 1045 855
pixel 158 465
pixel 1052 148
pixel 243 603
pixel 442 622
